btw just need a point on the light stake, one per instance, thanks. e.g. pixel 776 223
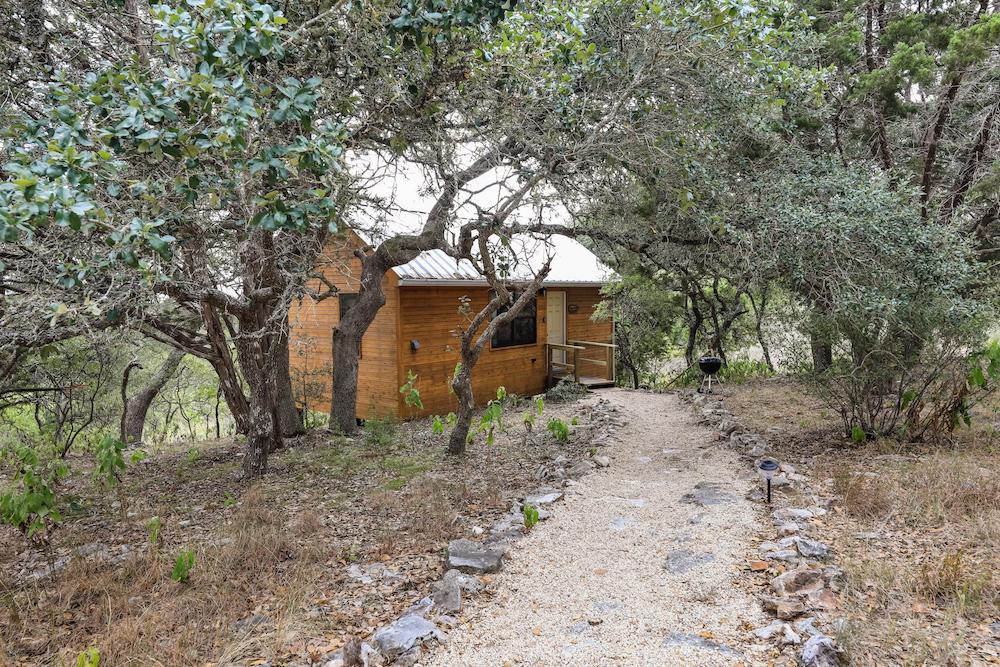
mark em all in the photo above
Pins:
pixel 767 468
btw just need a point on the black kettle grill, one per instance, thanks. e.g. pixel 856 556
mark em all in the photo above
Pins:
pixel 710 367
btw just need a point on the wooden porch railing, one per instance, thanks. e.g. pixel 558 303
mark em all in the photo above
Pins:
pixel 572 359
pixel 608 350
pixel 551 364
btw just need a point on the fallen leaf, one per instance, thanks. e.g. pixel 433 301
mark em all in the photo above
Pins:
pixel 758 565
pixel 600 571
pixel 537 631
pixel 706 634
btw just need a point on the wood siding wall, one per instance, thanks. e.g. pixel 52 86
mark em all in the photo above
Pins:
pixel 430 315
pixel 311 337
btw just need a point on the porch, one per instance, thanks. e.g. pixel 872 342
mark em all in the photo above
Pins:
pixel 589 363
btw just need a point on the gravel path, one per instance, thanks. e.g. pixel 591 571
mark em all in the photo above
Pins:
pixel 639 566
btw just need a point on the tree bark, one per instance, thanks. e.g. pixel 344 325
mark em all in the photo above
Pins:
pixel 758 310
pixel 136 408
pixel 289 418
pixel 822 353
pixel 462 383
pixel 263 434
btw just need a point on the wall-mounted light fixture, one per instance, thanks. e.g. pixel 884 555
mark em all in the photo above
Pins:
pixel 414 344
pixel 573 309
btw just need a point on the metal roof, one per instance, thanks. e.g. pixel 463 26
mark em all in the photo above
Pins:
pixel 572 264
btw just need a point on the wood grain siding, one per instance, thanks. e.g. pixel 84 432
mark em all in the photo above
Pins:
pixel 580 326
pixel 311 336
pixel 431 316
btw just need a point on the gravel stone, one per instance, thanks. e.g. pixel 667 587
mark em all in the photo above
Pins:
pixel 554 578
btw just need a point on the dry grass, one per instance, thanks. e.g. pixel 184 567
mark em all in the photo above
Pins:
pixel 276 552
pixel 916 527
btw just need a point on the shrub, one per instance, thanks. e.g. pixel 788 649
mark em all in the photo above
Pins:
pixel 29 504
pixel 153 527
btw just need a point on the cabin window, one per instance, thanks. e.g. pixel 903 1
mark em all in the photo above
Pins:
pixel 522 330
pixel 346 301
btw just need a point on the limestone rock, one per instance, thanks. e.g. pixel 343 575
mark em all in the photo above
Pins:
pixel 788 528
pixel 466 582
pixel 403 634
pixel 697 641
pixel 798 581
pixel 792 514
pixel 602 461
pixel 684 560
pixel 708 493
pixel 819 651
pixel 473 557
pixel 543 497
pixel 812 548
pixel 771 630
pixel 447 596
pixel 785 608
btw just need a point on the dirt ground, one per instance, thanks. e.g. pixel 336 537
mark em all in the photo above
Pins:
pixel 915 525
pixel 273 580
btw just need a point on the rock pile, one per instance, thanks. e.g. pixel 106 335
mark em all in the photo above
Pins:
pixel 400 644
pixel 802 582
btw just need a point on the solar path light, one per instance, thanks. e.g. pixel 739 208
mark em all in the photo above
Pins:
pixel 767 469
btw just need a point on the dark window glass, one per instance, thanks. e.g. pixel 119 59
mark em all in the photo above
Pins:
pixel 346 301
pixel 522 330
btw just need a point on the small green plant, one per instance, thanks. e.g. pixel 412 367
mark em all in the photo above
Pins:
pixel 193 455
pixel 228 500
pixel 858 434
pixel 540 405
pixel 110 462
pixel 529 420
pixel 530 516
pixel 411 395
pixel 380 432
pixel 89 658
pixel 153 527
pixel 437 425
pixel 183 565
pixel 558 429
pixel 575 421
pixel 492 418
pixel 29 503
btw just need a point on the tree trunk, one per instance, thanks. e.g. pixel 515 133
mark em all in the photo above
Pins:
pixel 635 378
pixel 462 384
pixel 758 311
pixel 137 407
pixel 347 343
pixel 822 353
pixel 263 435
pixel 225 367
pixel 288 414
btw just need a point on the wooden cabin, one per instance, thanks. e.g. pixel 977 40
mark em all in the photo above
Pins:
pixel 416 331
